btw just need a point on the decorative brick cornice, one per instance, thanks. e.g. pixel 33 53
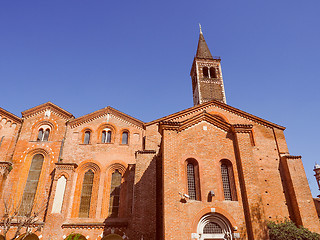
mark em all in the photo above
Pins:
pixel 292 157
pixel 146 152
pixel 204 116
pixel 5 114
pixel 96 225
pixel 215 103
pixel 36 224
pixel 117 223
pixel 47 106
pixel 242 128
pixel 102 112
pixel 66 166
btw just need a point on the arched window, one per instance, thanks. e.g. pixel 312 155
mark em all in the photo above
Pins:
pixel 40 135
pixel 106 136
pixel 205 72
pixel 86 139
pixel 31 185
pixel 193 179
pixel 46 135
pixel 213 73
pixel 43 134
pixel 59 195
pixel 125 137
pixel 212 228
pixel 86 193
pixel 228 184
pixel 115 194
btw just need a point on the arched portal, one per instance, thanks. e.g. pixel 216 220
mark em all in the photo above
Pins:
pixel 29 237
pixel 214 226
pixel 112 237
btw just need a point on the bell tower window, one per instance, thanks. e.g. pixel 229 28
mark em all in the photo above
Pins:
pixel 205 72
pixel 213 73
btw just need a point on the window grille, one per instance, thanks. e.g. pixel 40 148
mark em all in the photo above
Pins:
pixel 124 138
pixel 191 181
pixel 226 182
pixel 31 185
pixel 212 228
pixel 86 137
pixel 115 194
pixel 86 193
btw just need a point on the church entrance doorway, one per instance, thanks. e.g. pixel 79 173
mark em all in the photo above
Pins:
pixel 112 237
pixel 214 226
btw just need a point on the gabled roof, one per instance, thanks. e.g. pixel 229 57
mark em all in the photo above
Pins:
pixel 203 50
pixel 46 106
pixel 203 116
pixel 226 107
pixel 104 111
pixel 10 115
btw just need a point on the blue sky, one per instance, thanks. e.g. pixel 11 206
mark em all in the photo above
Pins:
pixel 136 57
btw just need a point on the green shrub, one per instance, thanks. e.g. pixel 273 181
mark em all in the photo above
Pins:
pixel 75 236
pixel 287 230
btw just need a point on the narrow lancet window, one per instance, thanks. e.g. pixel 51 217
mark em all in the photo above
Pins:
pixel 40 135
pixel 109 136
pixel 213 73
pixel 46 135
pixel 86 137
pixel 226 182
pixel 115 194
pixel 86 193
pixel 205 72
pixel 31 185
pixel 191 181
pixel 125 138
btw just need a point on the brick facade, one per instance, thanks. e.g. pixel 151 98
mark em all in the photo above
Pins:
pixel 243 174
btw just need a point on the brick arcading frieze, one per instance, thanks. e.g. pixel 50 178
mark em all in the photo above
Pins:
pixel 221 105
pixel 97 225
pixel 293 157
pixel 47 106
pixel 203 116
pixel 242 128
pixel 5 114
pixel 146 152
pixel 66 166
pixel 104 112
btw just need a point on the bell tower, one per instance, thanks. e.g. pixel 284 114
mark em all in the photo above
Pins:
pixel 206 75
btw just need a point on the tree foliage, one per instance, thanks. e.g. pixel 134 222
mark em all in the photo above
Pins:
pixel 287 230
pixel 75 236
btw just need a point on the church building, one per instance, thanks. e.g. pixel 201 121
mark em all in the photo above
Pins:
pixel 211 171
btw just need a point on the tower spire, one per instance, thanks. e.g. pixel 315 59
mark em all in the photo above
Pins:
pixel 207 82
pixel 203 50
